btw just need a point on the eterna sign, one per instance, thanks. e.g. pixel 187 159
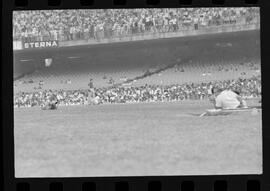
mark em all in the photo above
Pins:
pixel 41 44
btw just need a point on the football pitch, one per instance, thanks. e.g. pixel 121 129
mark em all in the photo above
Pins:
pixel 142 139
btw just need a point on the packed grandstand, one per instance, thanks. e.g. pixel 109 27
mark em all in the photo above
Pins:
pixel 97 24
pixel 244 78
pixel 249 88
pixel 137 74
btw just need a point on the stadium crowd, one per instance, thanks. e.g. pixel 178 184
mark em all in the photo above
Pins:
pixel 101 23
pixel 248 87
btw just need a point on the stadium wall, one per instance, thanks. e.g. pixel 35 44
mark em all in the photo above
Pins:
pixel 130 55
pixel 183 33
pixel 18 45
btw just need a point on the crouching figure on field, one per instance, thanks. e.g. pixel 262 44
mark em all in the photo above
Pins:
pixel 227 99
pixel 50 104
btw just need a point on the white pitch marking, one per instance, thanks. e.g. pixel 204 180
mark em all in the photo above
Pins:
pixel 72 57
pixel 25 60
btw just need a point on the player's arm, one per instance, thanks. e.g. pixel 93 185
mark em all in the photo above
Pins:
pixel 215 102
pixel 218 103
pixel 239 98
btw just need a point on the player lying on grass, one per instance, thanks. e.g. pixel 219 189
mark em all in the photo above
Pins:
pixel 226 99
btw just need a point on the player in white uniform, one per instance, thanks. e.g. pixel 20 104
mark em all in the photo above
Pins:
pixel 227 99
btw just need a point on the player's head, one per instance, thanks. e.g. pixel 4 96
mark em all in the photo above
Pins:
pixel 216 90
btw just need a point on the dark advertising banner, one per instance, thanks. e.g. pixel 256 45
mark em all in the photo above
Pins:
pixel 40 44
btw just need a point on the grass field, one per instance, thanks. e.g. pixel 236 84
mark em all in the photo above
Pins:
pixel 135 140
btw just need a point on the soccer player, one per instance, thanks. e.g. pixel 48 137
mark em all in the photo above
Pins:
pixel 50 104
pixel 227 99
pixel 91 84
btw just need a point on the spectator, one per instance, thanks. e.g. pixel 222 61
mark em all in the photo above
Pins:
pixel 77 24
pixel 146 93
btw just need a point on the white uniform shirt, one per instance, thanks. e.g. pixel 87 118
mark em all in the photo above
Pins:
pixel 227 100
